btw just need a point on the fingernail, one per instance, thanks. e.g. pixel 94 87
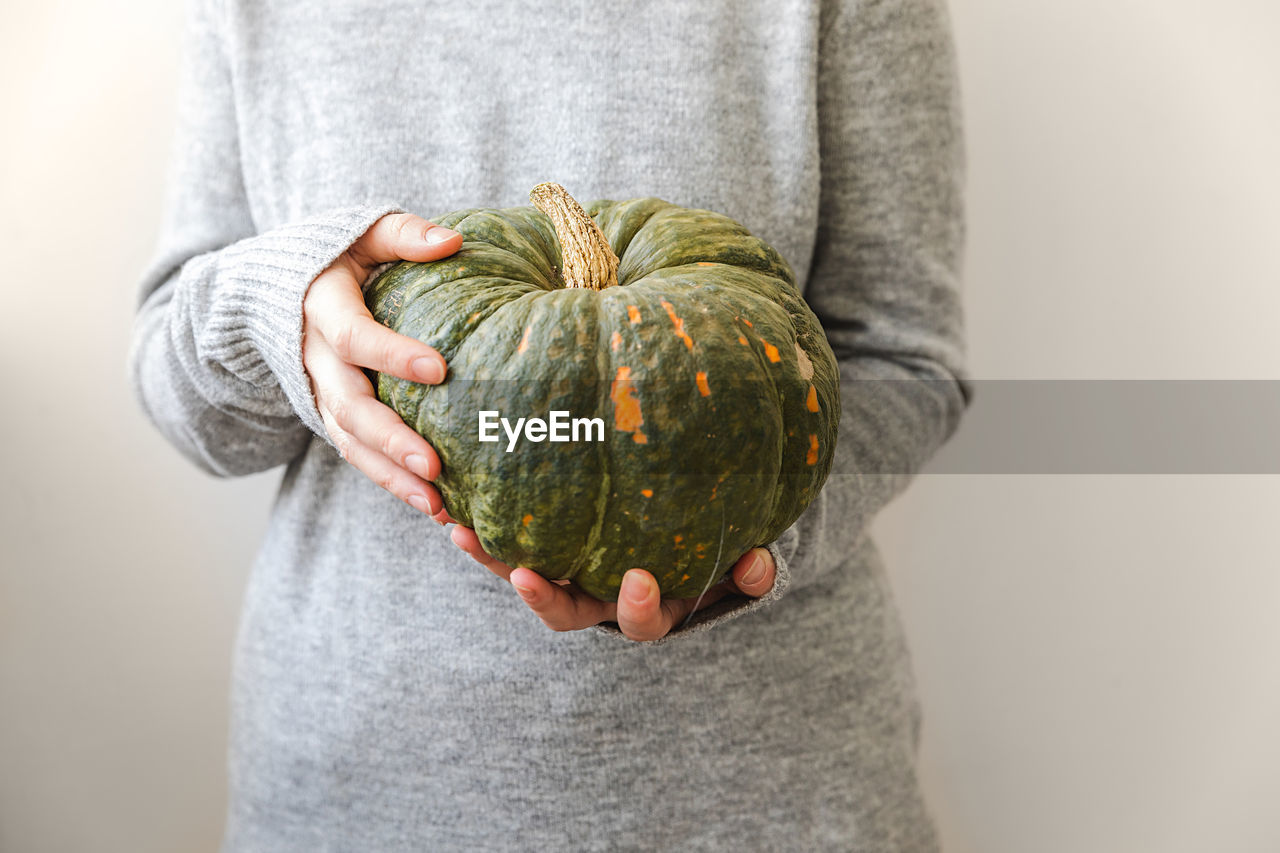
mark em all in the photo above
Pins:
pixel 439 234
pixel 418 465
pixel 638 588
pixel 525 592
pixel 755 574
pixel 419 502
pixel 429 370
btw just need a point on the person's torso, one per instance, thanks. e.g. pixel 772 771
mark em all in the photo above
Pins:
pixel 438 107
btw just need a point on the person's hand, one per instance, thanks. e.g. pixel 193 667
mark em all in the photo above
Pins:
pixel 639 611
pixel 340 337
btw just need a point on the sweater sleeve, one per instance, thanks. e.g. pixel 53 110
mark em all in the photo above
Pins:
pixel 216 354
pixel 885 279
pixel 885 275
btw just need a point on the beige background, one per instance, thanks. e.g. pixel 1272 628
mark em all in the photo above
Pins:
pixel 1097 655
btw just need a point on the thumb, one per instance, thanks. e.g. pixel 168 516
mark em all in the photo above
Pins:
pixel 754 573
pixel 403 236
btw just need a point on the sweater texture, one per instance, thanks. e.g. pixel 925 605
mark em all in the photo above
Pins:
pixel 390 694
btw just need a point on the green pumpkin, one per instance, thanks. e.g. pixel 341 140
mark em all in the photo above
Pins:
pixel 682 333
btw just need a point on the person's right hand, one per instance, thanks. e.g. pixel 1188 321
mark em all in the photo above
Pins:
pixel 340 336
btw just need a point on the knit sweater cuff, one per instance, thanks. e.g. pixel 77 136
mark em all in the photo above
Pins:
pixel 255 328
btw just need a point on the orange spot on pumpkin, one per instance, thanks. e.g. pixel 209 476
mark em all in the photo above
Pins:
pixel 633 314
pixel 524 342
pixel 812 457
pixel 679 538
pixel 742 340
pixel 812 402
pixel 615 341
pixel 772 352
pixel 748 322
pixel 705 264
pixel 525 521
pixel 684 578
pixel 703 387
pixel 626 408
pixel 678 322
pixel 648 493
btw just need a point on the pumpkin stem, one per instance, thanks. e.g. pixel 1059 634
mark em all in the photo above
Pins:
pixel 588 260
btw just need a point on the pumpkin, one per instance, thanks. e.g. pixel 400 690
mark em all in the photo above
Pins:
pixel 706 389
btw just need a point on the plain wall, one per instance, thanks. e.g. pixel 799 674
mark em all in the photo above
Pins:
pixel 1096 654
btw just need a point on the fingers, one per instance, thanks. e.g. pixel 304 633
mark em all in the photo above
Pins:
pixel 334 305
pixel 561 608
pixel 754 573
pixel 369 435
pixel 381 470
pixel 466 539
pixel 334 309
pixel 403 236
pixel 641 612
pixel 346 393
pixel 558 605
pixel 644 615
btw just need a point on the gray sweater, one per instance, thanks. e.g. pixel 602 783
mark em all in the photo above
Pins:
pixel 389 693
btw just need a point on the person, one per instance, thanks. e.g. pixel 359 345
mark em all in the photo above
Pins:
pixel 389 693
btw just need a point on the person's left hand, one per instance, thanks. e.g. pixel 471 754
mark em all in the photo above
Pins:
pixel 640 611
